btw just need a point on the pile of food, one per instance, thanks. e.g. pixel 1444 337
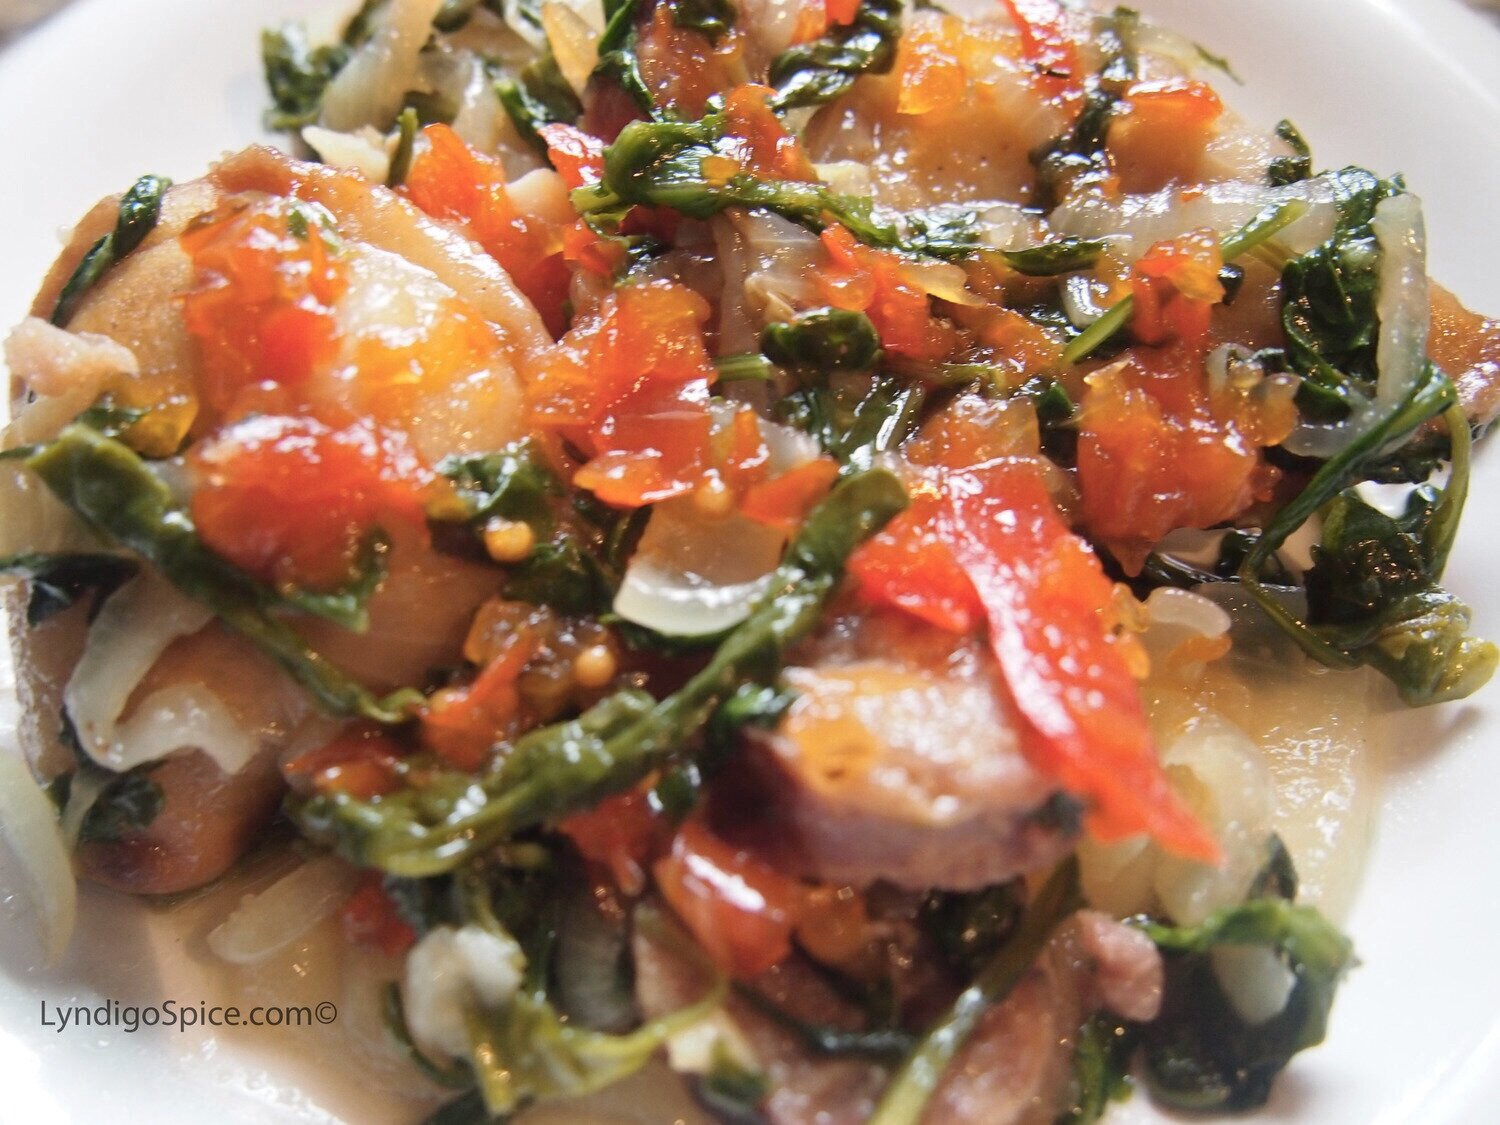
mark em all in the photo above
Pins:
pixel 787 533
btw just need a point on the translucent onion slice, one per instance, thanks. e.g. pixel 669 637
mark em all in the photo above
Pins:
pixel 368 91
pixel 271 920
pixel 29 827
pixel 574 43
pixel 131 632
pixel 1401 305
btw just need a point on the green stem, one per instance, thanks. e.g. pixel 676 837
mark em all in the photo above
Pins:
pixel 1256 232
pixel 905 1099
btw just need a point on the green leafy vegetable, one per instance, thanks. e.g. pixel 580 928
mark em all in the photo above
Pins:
pixel 1051 258
pixel 825 68
pixel 618 61
pixel 881 1043
pixel 571 765
pixel 117 495
pixel 406 139
pixel 1101 1069
pixel 539 95
pixel 823 340
pixel 711 19
pixel 1080 155
pixel 297 74
pixel 117 804
pixel 660 163
pixel 514 483
pixel 60 581
pixel 855 420
pixel 1259 230
pixel 1328 300
pixel 140 208
pixel 969 927
pixel 905 1099
pixel 1200 1053
pixel 1291 169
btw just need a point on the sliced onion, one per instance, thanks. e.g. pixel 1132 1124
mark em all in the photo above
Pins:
pixel 1184 609
pixel 29 826
pixel 1254 980
pixel 370 88
pixel 363 151
pixel 133 629
pixel 271 920
pixel 574 43
pixel 1140 220
pixel 1081 296
pixel 1401 305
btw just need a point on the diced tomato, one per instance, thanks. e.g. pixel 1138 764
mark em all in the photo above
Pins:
pixel 620 833
pixel 450 180
pixel 1046 44
pixel 874 282
pixel 1176 285
pixel 1160 131
pixel 841 12
pixel 577 156
pixel 363 761
pixel 462 725
pixel 291 499
pixel 740 910
pixel 910 565
pixel 993 547
pixel 681 68
pixel 370 919
pixel 629 385
pixel 929 71
pixel 262 308
pixel 784 501
pixel 759 142
pixel 1157 451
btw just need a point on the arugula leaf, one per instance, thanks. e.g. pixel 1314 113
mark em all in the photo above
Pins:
pixel 1291 169
pixel 660 163
pixel 1080 154
pixel 514 483
pixel 823 69
pixel 558 769
pixel 60 581
pixel 905 1100
pixel 1328 299
pixel 115 493
pixel 1101 1069
pixel 1372 591
pixel 618 61
pixel 1051 258
pixel 823 340
pixel 969 927
pixel 1200 1053
pixel 119 804
pixel 539 95
pixel 711 19
pixel 854 423
pixel 297 74
pixel 140 208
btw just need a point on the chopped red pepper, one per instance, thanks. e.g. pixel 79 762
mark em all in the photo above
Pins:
pixel 740 910
pixel 291 499
pixel 620 833
pixel 1046 44
pixel 370 919
pixel 363 761
pixel 462 725
pixel 1176 285
pixel 784 501
pixel 450 180
pixel 990 544
pixel 262 310
pixel 863 279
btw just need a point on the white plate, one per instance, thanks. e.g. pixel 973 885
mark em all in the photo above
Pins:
pixel 111 89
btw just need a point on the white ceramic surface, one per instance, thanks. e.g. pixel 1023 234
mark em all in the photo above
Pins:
pixel 109 89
